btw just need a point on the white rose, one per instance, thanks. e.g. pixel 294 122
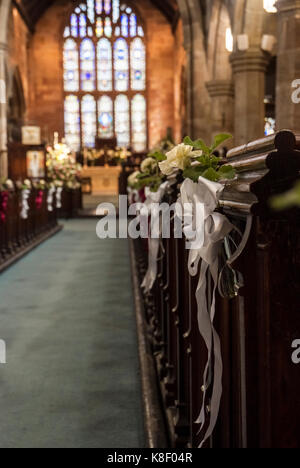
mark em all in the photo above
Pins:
pixel 148 165
pixel 133 178
pixel 9 184
pixel 27 182
pixel 178 158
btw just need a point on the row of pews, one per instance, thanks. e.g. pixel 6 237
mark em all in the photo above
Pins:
pixel 19 235
pixel 258 320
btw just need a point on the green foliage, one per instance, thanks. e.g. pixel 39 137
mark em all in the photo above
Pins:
pixel 207 150
pixel 158 156
pixel 287 200
pixel 209 165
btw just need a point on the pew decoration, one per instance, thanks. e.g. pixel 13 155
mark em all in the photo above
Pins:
pixel 62 167
pixel 40 187
pixel 6 187
pixel 201 175
pixel 25 188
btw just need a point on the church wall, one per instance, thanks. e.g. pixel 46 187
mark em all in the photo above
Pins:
pixel 46 93
pixel 18 40
pixel 180 84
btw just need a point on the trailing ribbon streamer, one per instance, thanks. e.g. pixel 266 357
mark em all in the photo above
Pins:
pixel 50 198
pixel 58 197
pixel 153 242
pixel 206 229
pixel 133 195
pixel 24 203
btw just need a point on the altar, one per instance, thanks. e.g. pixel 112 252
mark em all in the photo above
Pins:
pixel 105 179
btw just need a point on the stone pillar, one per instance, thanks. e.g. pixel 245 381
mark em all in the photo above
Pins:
pixel 4 17
pixel 222 106
pixel 288 64
pixel 249 69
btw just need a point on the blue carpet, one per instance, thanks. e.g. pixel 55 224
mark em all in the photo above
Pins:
pixel 72 375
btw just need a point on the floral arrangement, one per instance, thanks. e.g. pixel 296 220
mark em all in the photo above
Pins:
pixel 119 155
pixel 6 185
pixel 92 155
pixel 24 185
pixel 188 160
pixel 62 167
pixel 40 186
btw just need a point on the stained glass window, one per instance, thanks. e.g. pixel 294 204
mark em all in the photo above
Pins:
pixel 121 65
pixel 87 65
pixel 107 6
pixel 98 7
pixel 74 25
pixel 99 27
pixel 139 123
pixel 124 25
pixel 71 74
pixel 122 126
pixel 82 25
pixel 88 117
pixel 138 64
pixel 104 58
pixel 107 27
pixel 133 25
pixel 106 118
pixel 72 122
pixel 104 55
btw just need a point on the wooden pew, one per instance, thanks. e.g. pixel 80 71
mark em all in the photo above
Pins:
pixel 17 235
pixel 260 406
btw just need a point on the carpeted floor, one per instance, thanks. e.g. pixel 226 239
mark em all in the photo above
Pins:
pixel 72 376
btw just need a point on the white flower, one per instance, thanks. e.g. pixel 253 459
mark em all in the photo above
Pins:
pixel 148 165
pixel 133 178
pixel 27 183
pixel 178 158
pixel 9 184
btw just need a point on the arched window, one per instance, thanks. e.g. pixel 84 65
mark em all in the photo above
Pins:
pixel 105 75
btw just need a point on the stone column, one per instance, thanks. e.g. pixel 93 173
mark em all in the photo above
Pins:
pixel 249 69
pixel 4 17
pixel 288 65
pixel 222 106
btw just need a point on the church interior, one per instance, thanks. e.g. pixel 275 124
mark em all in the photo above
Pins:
pixel 177 329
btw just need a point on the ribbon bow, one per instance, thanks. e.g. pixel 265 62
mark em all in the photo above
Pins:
pixel 50 198
pixel 154 239
pixel 25 204
pixel 205 229
pixel 58 197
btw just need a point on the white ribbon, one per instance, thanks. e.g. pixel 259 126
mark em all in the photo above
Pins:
pixel 153 242
pixel 206 229
pixel 133 195
pixel 50 198
pixel 24 203
pixel 59 191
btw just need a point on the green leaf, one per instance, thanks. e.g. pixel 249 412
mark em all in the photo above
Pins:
pixel 226 172
pixel 158 156
pixel 198 144
pixel 192 173
pixel 211 174
pixel 219 139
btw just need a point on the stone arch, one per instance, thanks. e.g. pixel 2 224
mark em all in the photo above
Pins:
pixel 16 106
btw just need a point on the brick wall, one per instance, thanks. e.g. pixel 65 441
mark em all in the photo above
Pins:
pixel 165 57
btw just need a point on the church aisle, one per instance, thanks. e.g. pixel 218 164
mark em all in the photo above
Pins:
pixel 72 374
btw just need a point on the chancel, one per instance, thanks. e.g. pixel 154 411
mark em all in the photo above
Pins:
pixel 149 226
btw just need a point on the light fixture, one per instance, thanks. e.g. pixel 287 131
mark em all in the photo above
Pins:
pixel 229 40
pixel 269 6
